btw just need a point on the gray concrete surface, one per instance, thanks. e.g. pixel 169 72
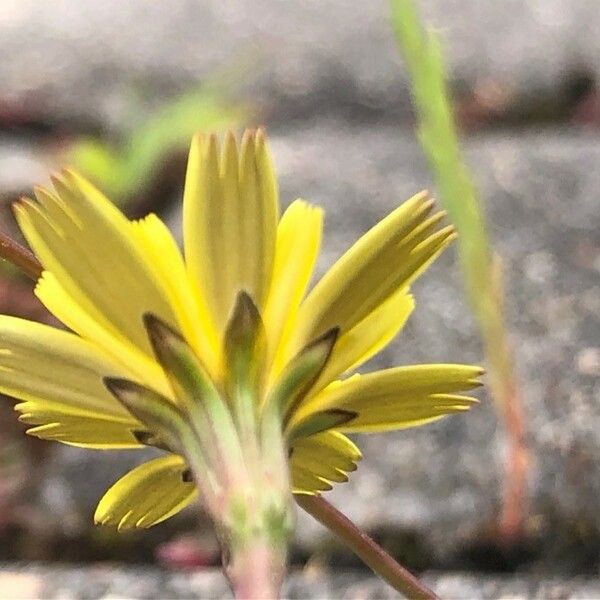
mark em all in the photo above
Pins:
pixel 26 582
pixel 85 59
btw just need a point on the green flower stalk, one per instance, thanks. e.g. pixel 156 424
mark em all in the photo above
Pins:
pixel 221 359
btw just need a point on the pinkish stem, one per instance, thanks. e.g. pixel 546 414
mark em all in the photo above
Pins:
pixel 257 571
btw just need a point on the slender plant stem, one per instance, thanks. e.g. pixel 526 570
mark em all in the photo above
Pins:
pixel 373 555
pixel 511 526
pixel 19 256
pixel 482 270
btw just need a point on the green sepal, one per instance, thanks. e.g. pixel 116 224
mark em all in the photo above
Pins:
pixel 165 420
pixel 321 421
pixel 149 439
pixel 302 372
pixel 244 343
pixel 189 380
pixel 195 392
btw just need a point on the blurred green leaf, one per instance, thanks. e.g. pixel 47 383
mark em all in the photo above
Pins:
pixel 101 163
pixel 120 170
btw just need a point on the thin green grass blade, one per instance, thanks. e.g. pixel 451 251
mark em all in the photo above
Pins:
pixel 457 191
pixel 481 266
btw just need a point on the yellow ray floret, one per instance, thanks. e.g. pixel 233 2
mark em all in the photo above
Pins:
pixel 87 244
pixel 320 460
pixel 79 427
pixel 387 258
pixel 367 338
pixel 65 308
pixel 395 398
pixel 231 208
pixel 298 243
pixel 40 363
pixel 147 495
pixel 59 375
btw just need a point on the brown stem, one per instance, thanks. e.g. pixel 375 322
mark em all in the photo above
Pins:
pixel 506 393
pixel 19 256
pixel 363 546
pixel 512 518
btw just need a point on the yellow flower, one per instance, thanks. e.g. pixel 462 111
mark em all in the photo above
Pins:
pixel 149 325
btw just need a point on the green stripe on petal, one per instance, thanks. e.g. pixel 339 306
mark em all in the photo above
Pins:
pixel 187 376
pixel 156 412
pixel 194 390
pixel 171 425
pixel 147 495
pixel 244 345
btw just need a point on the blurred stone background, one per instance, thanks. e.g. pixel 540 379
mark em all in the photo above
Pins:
pixel 78 61
pixel 326 79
